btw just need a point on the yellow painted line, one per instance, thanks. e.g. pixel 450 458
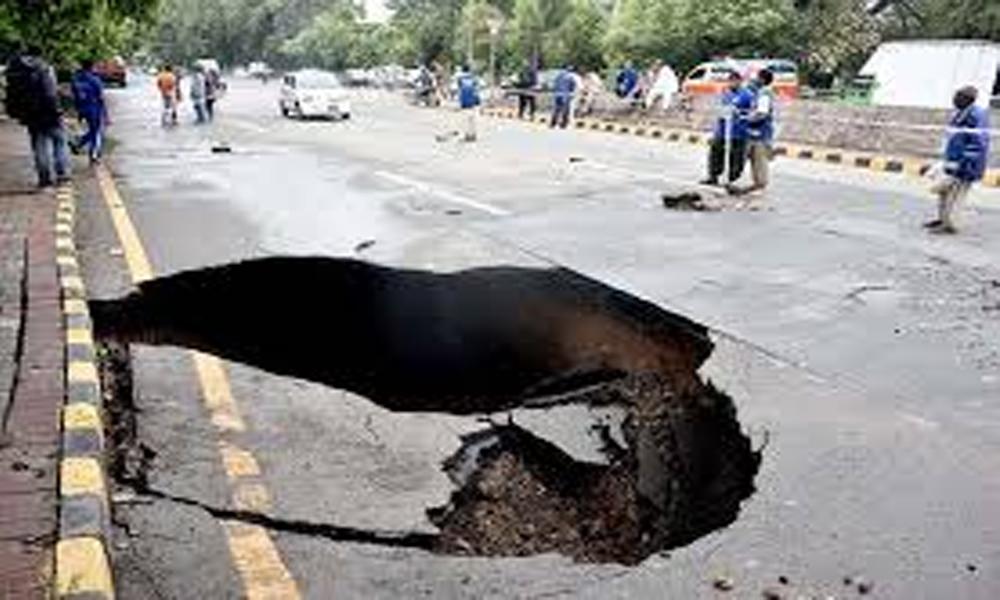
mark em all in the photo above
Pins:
pixel 67 260
pixel 80 415
pixel 135 254
pixel 878 163
pixel 216 392
pixel 80 371
pixel 81 476
pixel 261 568
pixel 64 228
pixel 252 496
pixel 79 336
pixel 82 568
pixel 75 306
pixel 258 563
pixel 66 244
pixel 238 462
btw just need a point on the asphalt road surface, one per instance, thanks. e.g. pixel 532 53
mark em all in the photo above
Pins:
pixel 862 354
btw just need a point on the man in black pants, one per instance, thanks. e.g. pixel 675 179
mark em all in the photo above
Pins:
pixel 731 130
pixel 527 81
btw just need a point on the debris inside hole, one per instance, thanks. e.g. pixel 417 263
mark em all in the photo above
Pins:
pixel 683 473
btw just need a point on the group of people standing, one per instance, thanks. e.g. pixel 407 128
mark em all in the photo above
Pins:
pixel 204 90
pixel 743 130
pixel 33 98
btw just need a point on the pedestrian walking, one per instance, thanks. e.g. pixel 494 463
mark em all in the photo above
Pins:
pixel 468 102
pixel 88 98
pixel 198 94
pixel 729 140
pixel 760 132
pixel 170 94
pixel 965 154
pixel 527 85
pixel 564 89
pixel 213 89
pixel 32 99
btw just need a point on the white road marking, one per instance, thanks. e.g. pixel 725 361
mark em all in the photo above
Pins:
pixel 247 126
pixel 426 188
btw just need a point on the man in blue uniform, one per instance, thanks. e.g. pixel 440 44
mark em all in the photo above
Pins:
pixel 468 101
pixel 760 131
pixel 563 89
pixel 731 131
pixel 88 97
pixel 966 151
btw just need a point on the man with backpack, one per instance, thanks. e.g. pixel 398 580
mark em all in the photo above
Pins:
pixel 33 99
pixel 88 97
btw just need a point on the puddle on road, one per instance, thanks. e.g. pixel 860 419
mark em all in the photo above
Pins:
pixel 485 341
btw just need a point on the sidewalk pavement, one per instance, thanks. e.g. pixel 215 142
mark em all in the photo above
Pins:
pixel 31 374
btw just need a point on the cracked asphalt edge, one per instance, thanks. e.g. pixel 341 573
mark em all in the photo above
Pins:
pixel 82 558
pixel 908 165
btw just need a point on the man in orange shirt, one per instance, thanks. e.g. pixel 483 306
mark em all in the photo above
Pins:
pixel 170 92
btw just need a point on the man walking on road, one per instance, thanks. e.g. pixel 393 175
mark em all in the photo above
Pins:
pixel 729 141
pixel 760 132
pixel 564 88
pixel 88 97
pixel 32 99
pixel 468 102
pixel 199 94
pixel 170 94
pixel 966 151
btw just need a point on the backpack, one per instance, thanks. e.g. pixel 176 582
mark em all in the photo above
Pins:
pixel 24 88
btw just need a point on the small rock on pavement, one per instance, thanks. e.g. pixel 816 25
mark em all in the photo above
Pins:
pixel 772 594
pixel 723 584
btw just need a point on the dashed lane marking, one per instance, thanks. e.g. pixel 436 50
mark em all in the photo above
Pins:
pixel 449 196
pixel 254 555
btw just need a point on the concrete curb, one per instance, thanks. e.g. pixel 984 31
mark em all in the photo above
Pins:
pixel 912 166
pixel 83 566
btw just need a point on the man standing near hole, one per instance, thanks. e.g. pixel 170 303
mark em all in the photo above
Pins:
pixel 965 155
pixel 760 133
pixel 729 140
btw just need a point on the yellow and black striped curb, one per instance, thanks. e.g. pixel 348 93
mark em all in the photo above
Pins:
pixel 863 160
pixel 83 567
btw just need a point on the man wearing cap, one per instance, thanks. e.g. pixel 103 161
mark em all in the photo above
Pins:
pixel 965 155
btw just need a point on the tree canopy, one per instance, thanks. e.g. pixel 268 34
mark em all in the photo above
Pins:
pixel 828 35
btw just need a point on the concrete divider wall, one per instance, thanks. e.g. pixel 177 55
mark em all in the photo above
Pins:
pixel 900 131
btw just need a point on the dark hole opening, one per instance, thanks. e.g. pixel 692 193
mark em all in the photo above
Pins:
pixel 484 341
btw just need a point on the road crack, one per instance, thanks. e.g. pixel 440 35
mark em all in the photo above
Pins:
pixel 336 533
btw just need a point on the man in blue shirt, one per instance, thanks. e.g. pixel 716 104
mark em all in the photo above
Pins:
pixel 965 156
pixel 731 131
pixel 88 97
pixel 563 90
pixel 627 81
pixel 760 131
pixel 468 101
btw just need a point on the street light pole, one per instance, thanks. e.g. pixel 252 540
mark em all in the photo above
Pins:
pixel 494 24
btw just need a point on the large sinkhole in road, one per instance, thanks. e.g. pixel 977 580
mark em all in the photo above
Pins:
pixel 484 341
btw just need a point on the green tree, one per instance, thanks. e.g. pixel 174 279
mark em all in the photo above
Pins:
pixel 68 30
pixel 578 39
pixel 429 26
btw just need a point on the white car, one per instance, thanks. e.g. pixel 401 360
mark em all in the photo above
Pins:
pixel 313 93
